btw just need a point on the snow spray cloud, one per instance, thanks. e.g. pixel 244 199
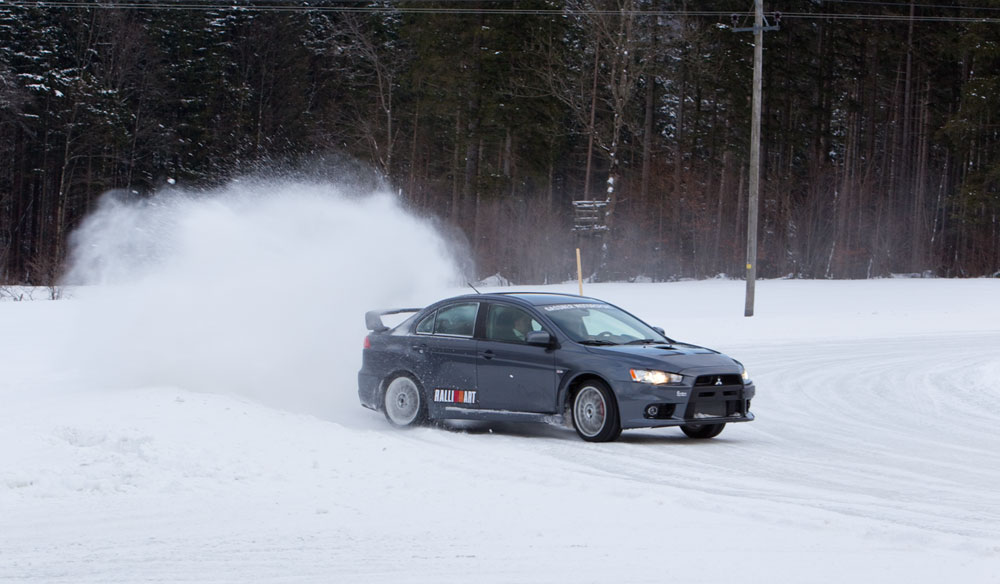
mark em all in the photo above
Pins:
pixel 257 289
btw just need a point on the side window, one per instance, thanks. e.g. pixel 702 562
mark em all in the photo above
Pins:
pixel 457 319
pixel 509 323
pixel 426 326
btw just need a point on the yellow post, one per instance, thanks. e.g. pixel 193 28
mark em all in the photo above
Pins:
pixel 579 271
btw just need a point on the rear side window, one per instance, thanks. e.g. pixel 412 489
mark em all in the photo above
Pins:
pixel 426 326
pixel 456 319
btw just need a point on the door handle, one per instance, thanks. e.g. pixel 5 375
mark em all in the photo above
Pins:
pixel 488 354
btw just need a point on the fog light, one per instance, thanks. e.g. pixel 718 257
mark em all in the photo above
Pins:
pixel 652 411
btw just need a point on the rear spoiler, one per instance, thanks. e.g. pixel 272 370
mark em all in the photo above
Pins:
pixel 373 318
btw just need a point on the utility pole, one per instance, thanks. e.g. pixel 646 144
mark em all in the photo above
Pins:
pixel 759 27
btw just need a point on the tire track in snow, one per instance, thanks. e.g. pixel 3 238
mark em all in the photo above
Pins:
pixel 881 429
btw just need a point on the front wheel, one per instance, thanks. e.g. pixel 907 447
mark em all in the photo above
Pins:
pixel 595 413
pixel 701 431
pixel 404 402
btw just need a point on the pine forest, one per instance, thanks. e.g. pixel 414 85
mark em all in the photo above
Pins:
pixel 880 125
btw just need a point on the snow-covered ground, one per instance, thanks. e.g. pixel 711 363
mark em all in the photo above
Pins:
pixel 200 424
pixel 875 457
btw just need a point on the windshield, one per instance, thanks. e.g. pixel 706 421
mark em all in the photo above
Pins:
pixel 601 324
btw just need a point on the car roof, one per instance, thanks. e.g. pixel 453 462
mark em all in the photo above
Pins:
pixel 536 298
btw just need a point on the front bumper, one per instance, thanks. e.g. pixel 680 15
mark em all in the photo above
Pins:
pixel 677 405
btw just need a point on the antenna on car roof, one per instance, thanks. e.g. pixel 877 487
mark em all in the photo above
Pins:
pixel 473 287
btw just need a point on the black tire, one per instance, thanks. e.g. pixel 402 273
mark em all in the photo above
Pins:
pixel 702 431
pixel 595 413
pixel 403 402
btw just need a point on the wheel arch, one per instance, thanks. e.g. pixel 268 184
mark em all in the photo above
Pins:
pixel 384 382
pixel 574 383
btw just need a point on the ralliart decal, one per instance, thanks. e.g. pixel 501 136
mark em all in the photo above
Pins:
pixel 454 396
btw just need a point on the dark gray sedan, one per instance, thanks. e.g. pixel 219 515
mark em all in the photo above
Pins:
pixel 549 358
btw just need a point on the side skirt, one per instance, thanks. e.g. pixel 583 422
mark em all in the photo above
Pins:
pixel 459 413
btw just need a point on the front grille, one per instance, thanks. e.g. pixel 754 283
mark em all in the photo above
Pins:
pixel 730 379
pixel 716 404
pixel 710 410
pixel 724 393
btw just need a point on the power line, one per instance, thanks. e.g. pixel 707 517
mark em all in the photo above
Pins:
pixel 281 7
pixel 335 6
pixel 920 6
pixel 887 17
pixel 274 6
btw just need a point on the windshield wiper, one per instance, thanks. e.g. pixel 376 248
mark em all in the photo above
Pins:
pixel 643 342
pixel 597 342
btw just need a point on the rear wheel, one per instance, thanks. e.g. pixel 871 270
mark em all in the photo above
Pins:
pixel 595 413
pixel 404 402
pixel 702 431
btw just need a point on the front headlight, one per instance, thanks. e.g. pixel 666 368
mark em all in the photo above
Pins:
pixel 743 372
pixel 654 377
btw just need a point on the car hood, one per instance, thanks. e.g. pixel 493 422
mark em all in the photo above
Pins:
pixel 676 358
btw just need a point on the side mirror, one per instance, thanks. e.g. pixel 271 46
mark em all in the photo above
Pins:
pixel 539 339
pixel 660 330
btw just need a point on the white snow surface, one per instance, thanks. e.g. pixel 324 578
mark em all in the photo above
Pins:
pixel 200 423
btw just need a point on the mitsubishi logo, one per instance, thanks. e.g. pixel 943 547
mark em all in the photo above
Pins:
pixel 718 381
